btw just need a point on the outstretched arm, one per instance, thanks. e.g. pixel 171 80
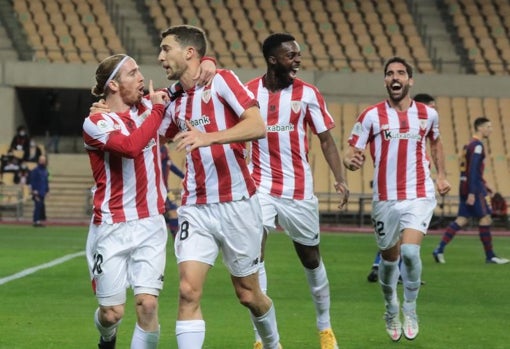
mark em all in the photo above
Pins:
pixel 332 156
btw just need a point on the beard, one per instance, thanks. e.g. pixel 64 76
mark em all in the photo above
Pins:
pixel 396 98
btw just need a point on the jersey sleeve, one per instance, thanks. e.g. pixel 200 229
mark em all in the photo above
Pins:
pixel 101 132
pixel 317 114
pixel 230 88
pixel 475 181
pixel 434 130
pixel 361 131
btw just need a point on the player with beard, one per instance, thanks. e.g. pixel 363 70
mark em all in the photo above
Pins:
pixel 279 165
pixel 396 131
pixel 127 235
pixel 219 209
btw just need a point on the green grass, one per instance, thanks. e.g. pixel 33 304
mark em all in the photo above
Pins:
pixel 464 303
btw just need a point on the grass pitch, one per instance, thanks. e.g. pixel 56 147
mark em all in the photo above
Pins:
pixel 464 303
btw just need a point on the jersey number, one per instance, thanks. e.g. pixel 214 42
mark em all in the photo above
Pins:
pixel 98 260
pixel 378 227
pixel 184 231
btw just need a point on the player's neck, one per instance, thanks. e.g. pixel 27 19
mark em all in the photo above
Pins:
pixel 401 105
pixel 273 83
pixel 116 104
pixel 186 79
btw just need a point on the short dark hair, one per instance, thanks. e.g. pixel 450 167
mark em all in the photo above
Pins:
pixel 479 121
pixel 396 59
pixel 424 98
pixel 274 41
pixel 188 35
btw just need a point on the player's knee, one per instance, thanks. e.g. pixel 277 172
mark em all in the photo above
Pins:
pixel 246 297
pixel 309 255
pixel 188 293
pixel 110 315
pixel 410 253
pixel 486 220
pixel 146 304
pixel 461 221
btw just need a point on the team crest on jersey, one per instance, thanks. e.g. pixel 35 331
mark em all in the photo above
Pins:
pixel 106 127
pixel 206 96
pixel 295 106
pixel 423 124
pixel 357 129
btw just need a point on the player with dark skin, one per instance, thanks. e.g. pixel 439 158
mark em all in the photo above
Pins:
pixel 275 91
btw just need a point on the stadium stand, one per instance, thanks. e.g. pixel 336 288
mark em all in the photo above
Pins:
pixel 350 35
pixel 346 36
pixel 67 30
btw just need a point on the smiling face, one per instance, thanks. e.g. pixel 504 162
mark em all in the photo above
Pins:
pixel 130 82
pixel 397 81
pixel 172 57
pixel 286 62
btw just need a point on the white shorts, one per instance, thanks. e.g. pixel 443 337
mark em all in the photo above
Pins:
pixel 390 218
pixel 127 254
pixel 299 218
pixel 234 227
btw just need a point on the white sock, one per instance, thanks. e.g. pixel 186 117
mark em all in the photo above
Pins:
pixel 267 328
pixel 143 339
pixel 319 288
pixel 263 287
pixel 106 332
pixel 388 278
pixel 411 274
pixel 190 334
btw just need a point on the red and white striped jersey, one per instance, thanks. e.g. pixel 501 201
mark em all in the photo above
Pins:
pixel 218 173
pixel 123 150
pixel 398 148
pixel 279 162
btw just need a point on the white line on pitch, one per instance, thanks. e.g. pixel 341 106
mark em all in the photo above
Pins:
pixel 32 270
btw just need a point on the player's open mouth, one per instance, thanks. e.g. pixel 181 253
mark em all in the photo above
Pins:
pixel 293 73
pixel 396 86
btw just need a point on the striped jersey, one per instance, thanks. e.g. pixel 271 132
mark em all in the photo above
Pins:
pixel 124 156
pixel 217 173
pixel 472 166
pixel 279 163
pixel 398 148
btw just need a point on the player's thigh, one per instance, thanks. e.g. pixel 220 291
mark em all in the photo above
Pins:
pixel 268 209
pixel 107 258
pixel 386 222
pixel 147 262
pixel 196 240
pixel 416 214
pixel 300 219
pixel 241 235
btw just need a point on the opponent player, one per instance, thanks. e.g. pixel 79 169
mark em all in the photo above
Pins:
pixel 474 196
